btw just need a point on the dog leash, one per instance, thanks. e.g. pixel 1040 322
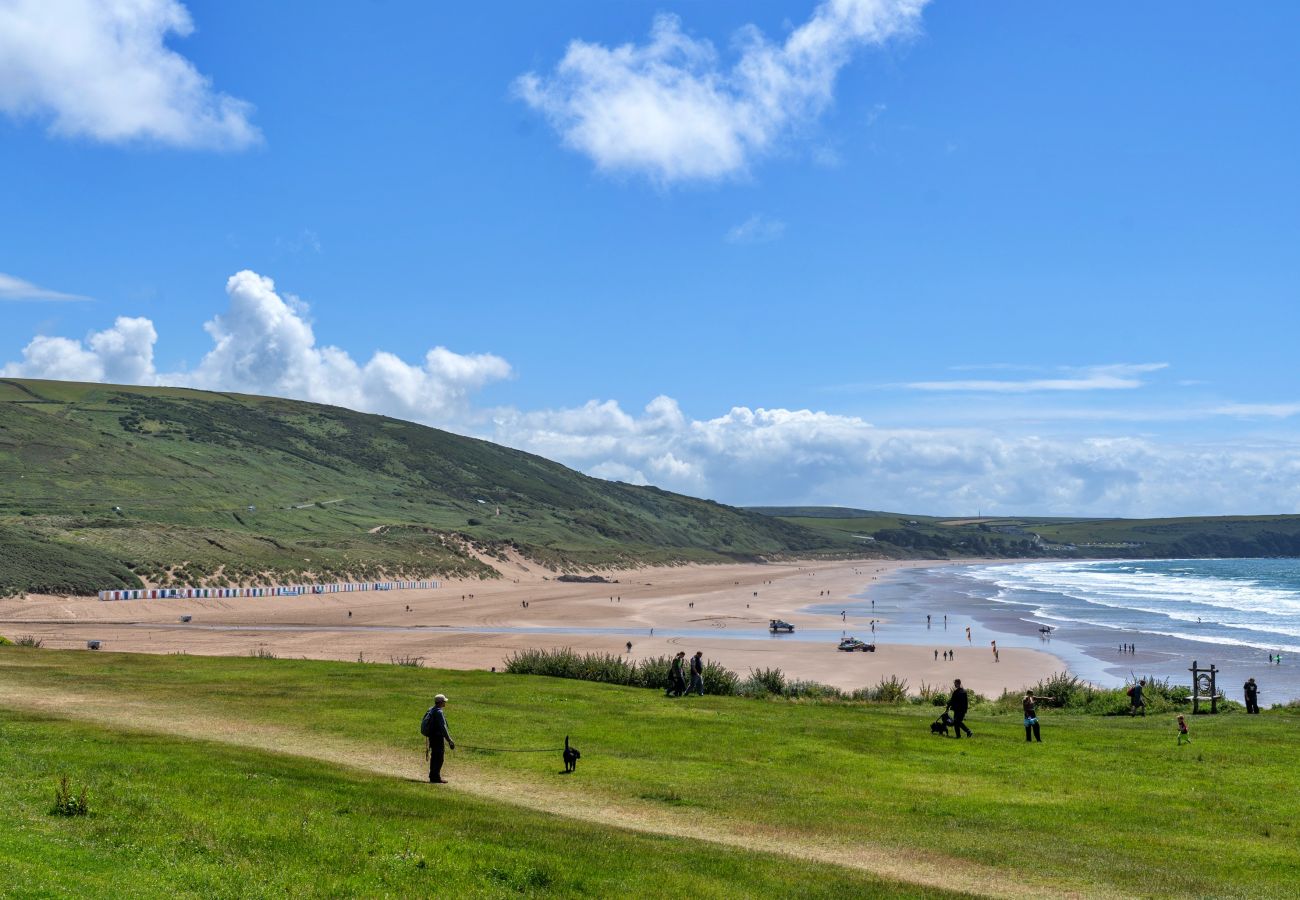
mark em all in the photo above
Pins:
pixel 511 749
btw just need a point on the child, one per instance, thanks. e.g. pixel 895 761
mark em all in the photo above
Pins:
pixel 1182 731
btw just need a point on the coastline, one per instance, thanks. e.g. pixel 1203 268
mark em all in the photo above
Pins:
pixel 722 610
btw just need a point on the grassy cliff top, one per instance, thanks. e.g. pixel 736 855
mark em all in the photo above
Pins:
pixel 177 485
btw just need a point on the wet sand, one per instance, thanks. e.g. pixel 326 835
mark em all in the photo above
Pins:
pixel 722 610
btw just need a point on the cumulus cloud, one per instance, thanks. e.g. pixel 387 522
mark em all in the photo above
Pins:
pixel 757 229
pixel 103 71
pixel 1124 376
pixel 781 456
pixel 121 354
pixel 669 108
pixel 12 288
pixel 263 343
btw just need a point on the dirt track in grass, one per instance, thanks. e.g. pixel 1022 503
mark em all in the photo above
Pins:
pixel 471 777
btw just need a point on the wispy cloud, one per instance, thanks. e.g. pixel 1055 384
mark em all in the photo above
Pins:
pixel 12 288
pixel 671 110
pixel 757 229
pixel 1090 378
pixel 1258 410
pixel 104 71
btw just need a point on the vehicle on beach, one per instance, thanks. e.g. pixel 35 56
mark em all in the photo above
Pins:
pixel 778 625
pixel 849 644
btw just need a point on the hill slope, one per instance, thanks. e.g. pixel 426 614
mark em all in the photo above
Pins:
pixel 896 534
pixel 98 482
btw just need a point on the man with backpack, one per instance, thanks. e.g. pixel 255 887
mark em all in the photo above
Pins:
pixel 434 728
pixel 1136 703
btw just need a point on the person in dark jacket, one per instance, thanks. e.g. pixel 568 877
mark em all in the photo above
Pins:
pixel 959 702
pixel 697 674
pixel 677 675
pixel 439 740
pixel 1030 706
pixel 1252 696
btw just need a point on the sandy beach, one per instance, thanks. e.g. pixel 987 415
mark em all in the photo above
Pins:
pixel 722 610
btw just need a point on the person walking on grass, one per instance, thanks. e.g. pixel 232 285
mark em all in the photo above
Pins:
pixel 1182 731
pixel 676 677
pixel 1030 706
pixel 959 703
pixel 697 674
pixel 1136 703
pixel 437 737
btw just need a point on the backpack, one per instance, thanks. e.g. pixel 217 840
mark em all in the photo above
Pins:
pixel 1130 691
pixel 426 724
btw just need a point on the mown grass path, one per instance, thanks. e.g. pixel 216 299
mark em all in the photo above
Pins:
pixel 1104 808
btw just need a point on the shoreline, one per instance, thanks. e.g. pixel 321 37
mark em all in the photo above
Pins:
pixel 722 610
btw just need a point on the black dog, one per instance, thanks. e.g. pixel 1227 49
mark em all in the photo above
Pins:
pixel 571 757
pixel 941 725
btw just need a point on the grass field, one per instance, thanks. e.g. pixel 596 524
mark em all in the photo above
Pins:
pixel 717 796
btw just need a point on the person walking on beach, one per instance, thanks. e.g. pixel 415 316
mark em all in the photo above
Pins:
pixel 1030 706
pixel 697 673
pixel 434 729
pixel 676 677
pixel 1182 731
pixel 968 634
pixel 1252 696
pixel 1136 703
pixel 959 703
pixel 927 620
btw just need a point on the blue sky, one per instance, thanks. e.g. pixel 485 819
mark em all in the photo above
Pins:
pixel 1016 257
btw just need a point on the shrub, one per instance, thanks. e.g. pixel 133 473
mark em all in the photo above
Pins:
pixel 764 681
pixel 5 642
pixel 888 690
pixel 261 653
pixel 28 640
pixel 415 662
pixel 68 804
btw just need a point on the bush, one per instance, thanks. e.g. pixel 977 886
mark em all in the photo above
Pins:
pixel 261 653
pixel 888 690
pixel 28 640
pixel 610 668
pixel 66 804
pixel 764 682
pixel 415 662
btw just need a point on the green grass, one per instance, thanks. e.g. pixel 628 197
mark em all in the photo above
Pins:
pixel 172 817
pixel 159 482
pixel 1104 804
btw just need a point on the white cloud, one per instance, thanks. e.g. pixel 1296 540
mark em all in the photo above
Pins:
pixel 670 110
pixel 123 353
pixel 1091 378
pixel 102 70
pixel 780 456
pixel 264 344
pixel 757 229
pixel 1258 410
pixel 12 288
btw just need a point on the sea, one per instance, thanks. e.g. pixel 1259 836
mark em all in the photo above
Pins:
pixel 1232 613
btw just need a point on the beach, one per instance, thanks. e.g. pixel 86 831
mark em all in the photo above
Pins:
pixel 722 610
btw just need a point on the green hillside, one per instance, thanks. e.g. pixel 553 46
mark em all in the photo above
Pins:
pixel 99 484
pixel 898 534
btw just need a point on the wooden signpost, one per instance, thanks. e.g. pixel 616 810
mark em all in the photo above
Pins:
pixel 1203 686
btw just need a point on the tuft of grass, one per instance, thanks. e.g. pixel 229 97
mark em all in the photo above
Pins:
pixel 68 804
pixel 261 653
pixel 28 640
pixel 413 662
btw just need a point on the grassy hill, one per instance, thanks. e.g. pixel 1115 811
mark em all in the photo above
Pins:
pixel 100 485
pixel 899 534
pixel 251 777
